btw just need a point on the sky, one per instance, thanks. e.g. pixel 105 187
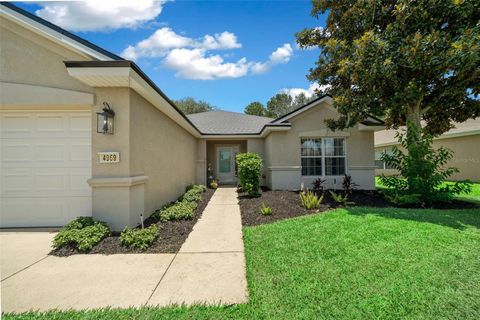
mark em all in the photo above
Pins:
pixel 228 53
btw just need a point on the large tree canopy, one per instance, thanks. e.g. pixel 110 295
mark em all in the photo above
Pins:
pixel 399 60
pixel 256 109
pixel 189 105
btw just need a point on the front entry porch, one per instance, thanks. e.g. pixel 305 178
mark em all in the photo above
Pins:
pixel 221 160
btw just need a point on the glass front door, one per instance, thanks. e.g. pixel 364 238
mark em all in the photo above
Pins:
pixel 225 164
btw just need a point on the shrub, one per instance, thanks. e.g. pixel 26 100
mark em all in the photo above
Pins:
pixel 266 211
pixel 422 170
pixel 348 185
pixel 310 200
pixel 139 238
pixel 184 207
pixel 193 194
pixel 82 233
pixel 180 210
pixel 249 169
pixel 318 186
pixel 341 199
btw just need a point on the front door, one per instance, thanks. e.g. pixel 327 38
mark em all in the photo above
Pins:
pixel 226 164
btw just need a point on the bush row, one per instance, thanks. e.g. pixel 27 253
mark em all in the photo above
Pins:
pixel 184 207
pixel 82 233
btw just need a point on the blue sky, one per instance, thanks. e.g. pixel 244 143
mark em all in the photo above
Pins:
pixel 255 30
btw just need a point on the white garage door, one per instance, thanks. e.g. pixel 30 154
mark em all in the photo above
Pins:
pixel 45 163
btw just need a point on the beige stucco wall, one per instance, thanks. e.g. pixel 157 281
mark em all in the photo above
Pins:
pixel 151 145
pixel 161 150
pixel 27 58
pixel 466 157
pixel 282 151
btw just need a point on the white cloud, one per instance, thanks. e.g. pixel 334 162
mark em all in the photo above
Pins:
pixel 157 45
pixel 196 64
pixel 164 39
pixel 100 15
pixel 191 58
pixel 224 40
pixel 281 55
pixel 310 91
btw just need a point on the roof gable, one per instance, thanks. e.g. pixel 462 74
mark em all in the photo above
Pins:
pixel 54 32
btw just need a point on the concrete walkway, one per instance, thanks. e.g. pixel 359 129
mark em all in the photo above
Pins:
pixel 208 269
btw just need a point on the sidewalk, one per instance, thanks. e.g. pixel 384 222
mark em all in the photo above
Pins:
pixel 208 269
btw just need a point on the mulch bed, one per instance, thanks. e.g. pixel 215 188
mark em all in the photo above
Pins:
pixel 172 235
pixel 286 204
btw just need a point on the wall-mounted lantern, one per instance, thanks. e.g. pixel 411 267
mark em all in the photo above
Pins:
pixel 105 120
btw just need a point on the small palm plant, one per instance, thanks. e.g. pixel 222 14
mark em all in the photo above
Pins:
pixel 310 200
pixel 341 199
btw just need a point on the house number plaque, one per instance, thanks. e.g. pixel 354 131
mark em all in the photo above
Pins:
pixel 109 157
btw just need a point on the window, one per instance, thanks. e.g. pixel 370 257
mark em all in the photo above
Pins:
pixel 378 161
pixel 323 157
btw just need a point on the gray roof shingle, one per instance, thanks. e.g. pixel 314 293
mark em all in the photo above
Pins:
pixel 226 122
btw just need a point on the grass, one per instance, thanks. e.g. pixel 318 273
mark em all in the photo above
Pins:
pixel 356 263
pixel 474 195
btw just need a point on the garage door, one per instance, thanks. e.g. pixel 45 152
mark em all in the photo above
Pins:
pixel 45 163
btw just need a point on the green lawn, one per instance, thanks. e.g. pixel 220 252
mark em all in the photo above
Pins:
pixel 474 195
pixel 358 263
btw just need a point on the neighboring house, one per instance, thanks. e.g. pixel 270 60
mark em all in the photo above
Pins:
pixel 463 140
pixel 54 83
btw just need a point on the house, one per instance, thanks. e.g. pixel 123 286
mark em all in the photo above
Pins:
pixel 463 140
pixel 85 132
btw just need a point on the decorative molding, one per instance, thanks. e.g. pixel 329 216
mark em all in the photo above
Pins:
pixel 324 133
pixel 285 168
pixel 117 181
pixel 362 168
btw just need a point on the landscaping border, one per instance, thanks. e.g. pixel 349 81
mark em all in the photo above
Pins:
pixel 172 236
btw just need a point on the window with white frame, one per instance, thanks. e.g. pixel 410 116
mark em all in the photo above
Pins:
pixel 378 159
pixel 323 156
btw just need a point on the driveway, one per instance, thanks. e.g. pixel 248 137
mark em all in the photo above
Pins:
pixel 208 269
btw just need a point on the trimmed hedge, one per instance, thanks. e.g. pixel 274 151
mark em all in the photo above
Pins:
pixel 249 169
pixel 82 233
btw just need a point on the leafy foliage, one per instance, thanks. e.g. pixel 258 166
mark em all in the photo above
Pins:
pixel 399 60
pixel 139 238
pixel 184 207
pixel 318 186
pixel 82 233
pixel 266 211
pixel 422 172
pixel 348 185
pixel 282 103
pixel 310 200
pixel 256 109
pixel 249 169
pixel 341 199
pixel 189 105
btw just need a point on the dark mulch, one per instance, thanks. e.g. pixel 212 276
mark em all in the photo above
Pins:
pixel 172 235
pixel 286 204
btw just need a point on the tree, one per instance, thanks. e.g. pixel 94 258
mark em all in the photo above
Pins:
pixel 301 99
pixel 256 109
pixel 189 105
pixel 279 104
pixel 403 61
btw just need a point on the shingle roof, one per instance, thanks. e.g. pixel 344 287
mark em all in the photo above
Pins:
pixel 387 137
pixel 226 122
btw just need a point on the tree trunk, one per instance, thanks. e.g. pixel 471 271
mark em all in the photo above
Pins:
pixel 414 118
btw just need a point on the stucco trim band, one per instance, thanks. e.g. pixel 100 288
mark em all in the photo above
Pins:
pixel 32 95
pixel 117 181
pixel 285 168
